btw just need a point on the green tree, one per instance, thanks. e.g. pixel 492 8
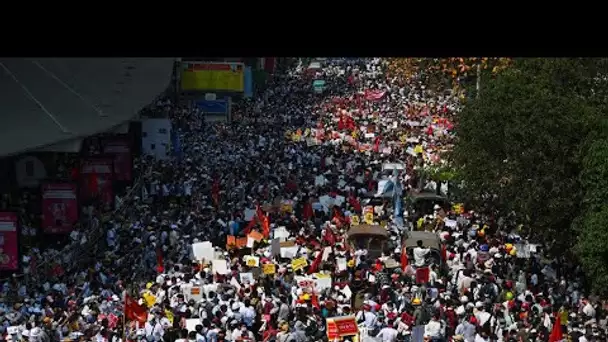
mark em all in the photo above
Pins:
pixel 592 224
pixel 520 142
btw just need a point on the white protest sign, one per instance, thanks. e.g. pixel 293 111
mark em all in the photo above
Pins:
pixel 235 283
pixel 347 292
pixel 247 278
pixel 191 324
pixel 289 252
pixel 219 266
pixel 323 283
pixel 203 250
pixel 280 233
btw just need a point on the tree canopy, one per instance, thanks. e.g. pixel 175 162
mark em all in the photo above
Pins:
pixel 533 140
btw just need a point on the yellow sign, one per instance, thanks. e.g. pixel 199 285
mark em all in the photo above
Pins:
pixel 298 264
pixel 458 208
pixel 354 220
pixel 251 262
pixel 213 76
pixel 269 268
pixel 368 215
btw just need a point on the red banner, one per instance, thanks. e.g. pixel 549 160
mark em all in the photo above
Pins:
pixel 422 275
pixel 59 207
pixel 374 95
pixel 96 175
pixel 120 148
pixel 9 242
pixel 341 326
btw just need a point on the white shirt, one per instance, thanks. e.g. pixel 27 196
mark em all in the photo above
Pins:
pixel 432 329
pixel 388 334
pixel 419 256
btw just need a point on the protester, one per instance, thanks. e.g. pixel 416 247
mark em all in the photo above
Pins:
pixel 271 198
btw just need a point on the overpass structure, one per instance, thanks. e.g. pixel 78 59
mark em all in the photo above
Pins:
pixel 49 104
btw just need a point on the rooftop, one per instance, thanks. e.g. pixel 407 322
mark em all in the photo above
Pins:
pixel 45 101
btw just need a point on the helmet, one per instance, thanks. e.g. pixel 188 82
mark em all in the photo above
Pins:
pixel 509 295
pixel 416 301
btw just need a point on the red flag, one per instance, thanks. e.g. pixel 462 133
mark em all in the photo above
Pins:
pixel 250 226
pixel 556 332
pixel 307 212
pixel 352 200
pixel 444 253
pixel 134 311
pixel 159 261
pixel 341 123
pixel 377 144
pixel 266 226
pixel 404 260
pixel 315 264
pixel 338 215
pixel 314 300
pixel 265 222
pixel 329 236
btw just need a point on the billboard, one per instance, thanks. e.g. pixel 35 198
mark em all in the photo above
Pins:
pixel 59 207
pixel 96 175
pixel 156 138
pixel 213 106
pixel 213 76
pixel 9 242
pixel 119 146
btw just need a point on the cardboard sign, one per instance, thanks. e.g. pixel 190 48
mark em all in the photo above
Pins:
pixel 252 261
pixel 298 264
pixel 255 235
pixel 368 214
pixel 203 251
pixel 230 241
pixel 247 278
pixel 241 242
pixel 219 266
pixel 354 220
pixel 269 268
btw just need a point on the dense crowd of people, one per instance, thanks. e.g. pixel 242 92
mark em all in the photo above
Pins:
pixel 247 233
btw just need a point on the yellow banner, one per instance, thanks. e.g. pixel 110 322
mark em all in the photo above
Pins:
pixel 269 268
pixel 298 264
pixel 213 76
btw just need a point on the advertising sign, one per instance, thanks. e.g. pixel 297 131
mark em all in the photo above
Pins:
pixel 9 242
pixel 120 148
pixel 213 106
pixel 59 207
pixel 96 179
pixel 213 76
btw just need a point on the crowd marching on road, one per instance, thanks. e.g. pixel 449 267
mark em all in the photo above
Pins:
pixel 289 224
